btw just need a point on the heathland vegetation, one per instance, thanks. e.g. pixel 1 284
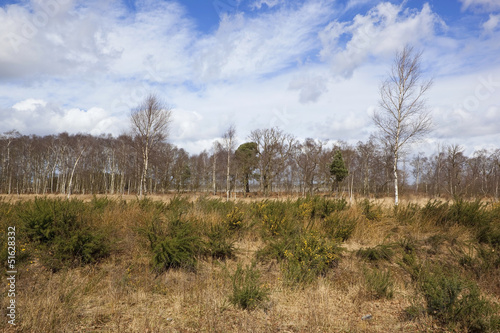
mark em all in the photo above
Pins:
pixel 302 264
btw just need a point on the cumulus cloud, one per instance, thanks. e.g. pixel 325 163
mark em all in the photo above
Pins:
pixel 33 116
pixel 378 33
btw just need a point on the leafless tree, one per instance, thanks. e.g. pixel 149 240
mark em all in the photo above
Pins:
pixel 150 125
pixel 228 144
pixel 274 148
pixel 403 116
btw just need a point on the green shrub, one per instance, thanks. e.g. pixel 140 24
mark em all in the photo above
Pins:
pixel 65 232
pixel 275 219
pixel 210 205
pixel 100 204
pixel 457 302
pixel 275 249
pixel 309 256
pixel 248 293
pixel 371 211
pixel 321 207
pixel 176 206
pixel 84 246
pixel 340 225
pixel 408 213
pixel 379 284
pixel 219 245
pixel 45 218
pixel 379 252
pixel 234 219
pixel 177 247
pixel 468 213
pixel 436 212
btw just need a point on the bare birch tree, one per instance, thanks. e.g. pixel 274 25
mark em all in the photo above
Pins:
pixel 150 125
pixel 228 142
pixel 403 116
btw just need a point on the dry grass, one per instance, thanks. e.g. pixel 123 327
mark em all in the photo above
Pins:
pixel 123 294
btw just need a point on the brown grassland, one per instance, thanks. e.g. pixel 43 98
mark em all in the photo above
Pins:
pixel 201 264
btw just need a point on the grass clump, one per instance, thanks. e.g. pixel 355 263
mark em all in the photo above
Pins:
pixel 379 284
pixel 377 253
pixel 247 292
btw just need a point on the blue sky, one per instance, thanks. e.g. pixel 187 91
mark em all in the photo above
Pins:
pixel 310 67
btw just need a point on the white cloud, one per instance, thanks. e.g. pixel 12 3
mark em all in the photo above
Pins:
pixel 269 3
pixel 254 46
pixel 490 25
pixel 384 29
pixel 311 87
pixel 30 104
pixel 39 117
pixel 49 38
pixel 482 5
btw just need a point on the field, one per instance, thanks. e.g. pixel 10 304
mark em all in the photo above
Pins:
pixel 201 264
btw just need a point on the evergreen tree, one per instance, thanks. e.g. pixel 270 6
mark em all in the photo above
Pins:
pixel 338 169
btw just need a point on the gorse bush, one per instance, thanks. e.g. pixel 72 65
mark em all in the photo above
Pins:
pixel 176 247
pixel 274 218
pixel 308 257
pixel 65 231
pixel 371 211
pixel 219 244
pixel 234 219
pixel 408 213
pixel 436 212
pixel 468 213
pixel 340 225
pixel 457 302
pixel 317 206
pixel 247 292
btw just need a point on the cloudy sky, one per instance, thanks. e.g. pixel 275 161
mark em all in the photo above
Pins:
pixel 311 67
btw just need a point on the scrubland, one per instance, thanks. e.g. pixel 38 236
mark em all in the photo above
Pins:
pixel 201 264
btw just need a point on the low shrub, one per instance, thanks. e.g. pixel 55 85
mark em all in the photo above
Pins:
pixel 275 219
pixel 247 292
pixel 468 213
pixel 408 213
pixel 234 219
pixel 308 257
pixel 457 303
pixel 371 211
pixel 340 225
pixel 219 244
pixel 436 212
pixel 65 232
pixel 177 247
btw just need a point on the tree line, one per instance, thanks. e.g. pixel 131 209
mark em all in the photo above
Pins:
pixel 272 161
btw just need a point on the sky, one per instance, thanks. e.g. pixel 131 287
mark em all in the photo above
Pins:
pixel 313 68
